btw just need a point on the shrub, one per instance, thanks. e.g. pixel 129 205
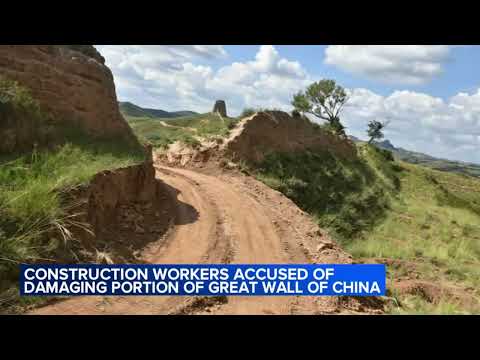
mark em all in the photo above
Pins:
pixel 346 196
pixel 18 97
pixel 190 141
pixel 247 112
pixel 35 217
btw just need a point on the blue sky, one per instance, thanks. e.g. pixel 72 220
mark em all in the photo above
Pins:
pixel 430 94
pixel 461 73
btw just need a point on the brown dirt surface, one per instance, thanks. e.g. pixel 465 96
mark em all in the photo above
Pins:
pixel 255 137
pixel 227 217
pixel 411 280
pixel 433 292
pixel 71 83
pixel 276 131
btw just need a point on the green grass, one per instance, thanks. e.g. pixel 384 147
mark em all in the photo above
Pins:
pixel 428 219
pixel 429 161
pixel 186 129
pixel 31 193
pixel 379 208
pixel 416 305
pixel 35 218
pixel 345 196
pixel 131 110
pixel 206 125
pixel 435 218
pixel 249 111
pixel 148 130
pixel 18 97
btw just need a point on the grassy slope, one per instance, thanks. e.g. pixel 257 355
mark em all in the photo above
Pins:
pixel 434 222
pixel 378 208
pixel 346 196
pixel 450 166
pixel 33 218
pixel 131 110
pixel 185 129
pixel 434 163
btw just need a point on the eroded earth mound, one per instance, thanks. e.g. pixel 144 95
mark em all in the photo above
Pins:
pixel 70 82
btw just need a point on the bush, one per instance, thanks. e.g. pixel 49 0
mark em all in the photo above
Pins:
pixel 250 111
pixel 247 112
pixel 35 217
pixel 346 196
pixel 296 113
pixel 21 118
pixel 17 96
pixel 388 155
pixel 190 141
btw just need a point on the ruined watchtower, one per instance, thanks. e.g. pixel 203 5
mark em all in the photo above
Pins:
pixel 220 107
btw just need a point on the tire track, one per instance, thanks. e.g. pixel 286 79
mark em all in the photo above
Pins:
pixel 191 241
pixel 217 220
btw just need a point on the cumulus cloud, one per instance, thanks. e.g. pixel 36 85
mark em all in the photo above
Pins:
pixel 394 64
pixel 181 77
pixel 448 129
pixel 185 77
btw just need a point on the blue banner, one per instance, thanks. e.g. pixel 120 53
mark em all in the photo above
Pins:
pixel 203 280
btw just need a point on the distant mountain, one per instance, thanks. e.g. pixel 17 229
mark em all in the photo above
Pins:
pixel 427 160
pixel 386 144
pixel 129 109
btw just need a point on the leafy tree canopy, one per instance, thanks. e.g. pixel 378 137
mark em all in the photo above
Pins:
pixel 323 99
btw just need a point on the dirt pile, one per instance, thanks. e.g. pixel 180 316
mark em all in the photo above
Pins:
pixel 276 131
pixel 255 137
pixel 125 209
pixel 181 154
pixel 70 82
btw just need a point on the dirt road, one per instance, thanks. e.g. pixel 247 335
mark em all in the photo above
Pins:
pixel 225 219
pixel 164 123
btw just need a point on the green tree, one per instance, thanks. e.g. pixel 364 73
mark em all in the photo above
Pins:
pixel 325 100
pixel 375 130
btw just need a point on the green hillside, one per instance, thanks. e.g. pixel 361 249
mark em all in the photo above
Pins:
pixel 163 131
pixel 424 223
pixel 131 110
pixel 439 164
pixel 430 161
pixel 35 219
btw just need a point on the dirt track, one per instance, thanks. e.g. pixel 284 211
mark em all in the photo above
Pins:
pixel 226 219
pixel 164 123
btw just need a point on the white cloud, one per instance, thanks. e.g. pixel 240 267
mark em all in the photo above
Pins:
pixel 268 60
pixel 395 64
pixel 172 78
pixel 185 78
pixel 448 129
pixel 208 51
pixel 267 81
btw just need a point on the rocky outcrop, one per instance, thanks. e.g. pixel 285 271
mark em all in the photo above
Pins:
pixel 70 82
pixel 220 107
pixel 277 131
